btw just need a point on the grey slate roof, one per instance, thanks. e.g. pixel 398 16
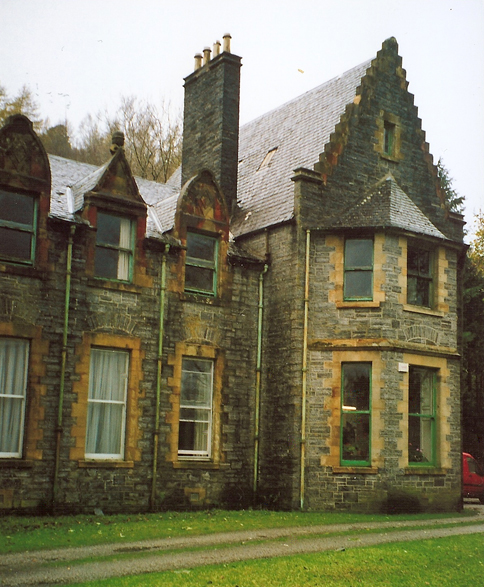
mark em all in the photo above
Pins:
pixel 386 206
pixel 297 133
pixel 299 130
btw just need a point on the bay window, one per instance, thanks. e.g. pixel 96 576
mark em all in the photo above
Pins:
pixel 356 414
pixel 421 416
pixel 358 269
pixel 419 277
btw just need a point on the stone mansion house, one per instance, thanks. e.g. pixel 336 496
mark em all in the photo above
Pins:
pixel 278 324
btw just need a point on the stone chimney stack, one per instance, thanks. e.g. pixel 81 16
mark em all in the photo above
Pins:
pixel 211 119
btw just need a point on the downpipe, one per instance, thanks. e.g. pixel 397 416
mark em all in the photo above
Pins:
pixel 258 383
pixel 59 426
pixel 159 371
pixel 304 370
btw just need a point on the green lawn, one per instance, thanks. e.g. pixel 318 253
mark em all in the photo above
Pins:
pixel 444 562
pixel 18 534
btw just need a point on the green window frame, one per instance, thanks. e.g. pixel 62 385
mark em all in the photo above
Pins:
pixel 355 441
pixel 419 277
pixel 388 138
pixel 196 403
pixel 358 269
pixel 114 247
pixel 18 227
pixel 201 264
pixel 422 391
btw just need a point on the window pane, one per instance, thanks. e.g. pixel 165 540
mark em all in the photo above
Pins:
pixel 421 415
pixel 358 284
pixel 358 253
pixel 419 440
pixel 13 382
pixel 193 437
pixel 200 247
pixel 356 437
pixel 18 208
pixel 199 278
pixel 108 380
pixel 104 427
pixel 106 263
pixel 15 244
pixel 356 386
pixel 108 229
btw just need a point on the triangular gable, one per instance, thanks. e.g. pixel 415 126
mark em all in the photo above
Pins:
pixel 113 180
pixel 386 206
pixel 23 161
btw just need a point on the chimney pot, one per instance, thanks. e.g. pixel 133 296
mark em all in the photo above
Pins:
pixel 227 38
pixel 216 48
pixel 198 61
pixel 206 55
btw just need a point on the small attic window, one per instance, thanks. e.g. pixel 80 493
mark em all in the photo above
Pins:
pixel 388 138
pixel 267 159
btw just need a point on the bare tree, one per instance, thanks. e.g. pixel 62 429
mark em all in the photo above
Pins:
pixel 23 103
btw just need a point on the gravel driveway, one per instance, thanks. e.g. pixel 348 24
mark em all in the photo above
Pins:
pixel 32 568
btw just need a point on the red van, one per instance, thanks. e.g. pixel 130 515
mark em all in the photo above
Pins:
pixel 473 478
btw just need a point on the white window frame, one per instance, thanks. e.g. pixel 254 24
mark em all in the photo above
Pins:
pixel 92 401
pixel 199 454
pixel 20 384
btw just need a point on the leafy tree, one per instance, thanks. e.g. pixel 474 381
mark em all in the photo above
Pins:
pixel 152 138
pixel 473 343
pixel 454 202
pixel 23 103
pixel 56 140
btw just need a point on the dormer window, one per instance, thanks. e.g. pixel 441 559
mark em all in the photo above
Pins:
pixel 17 227
pixel 114 247
pixel 201 264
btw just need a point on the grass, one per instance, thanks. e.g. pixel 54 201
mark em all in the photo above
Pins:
pixel 18 534
pixel 443 562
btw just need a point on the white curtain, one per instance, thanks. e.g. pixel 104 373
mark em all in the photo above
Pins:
pixel 124 243
pixel 13 382
pixel 108 379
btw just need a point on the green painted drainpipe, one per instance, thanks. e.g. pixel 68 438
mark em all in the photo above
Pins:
pixel 258 383
pixel 67 299
pixel 304 369
pixel 161 322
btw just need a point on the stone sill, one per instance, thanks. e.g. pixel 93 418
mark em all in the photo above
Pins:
pixel 114 285
pixel 421 310
pixel 356 304
pixel 106 464
pixel 24 270
pixel 355 470
pixel 425 471
pixel 16 464
pixel 208 465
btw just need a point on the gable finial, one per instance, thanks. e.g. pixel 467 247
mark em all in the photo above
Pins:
pixel 117 141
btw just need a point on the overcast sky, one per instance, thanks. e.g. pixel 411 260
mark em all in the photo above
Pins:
pixel 81 56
